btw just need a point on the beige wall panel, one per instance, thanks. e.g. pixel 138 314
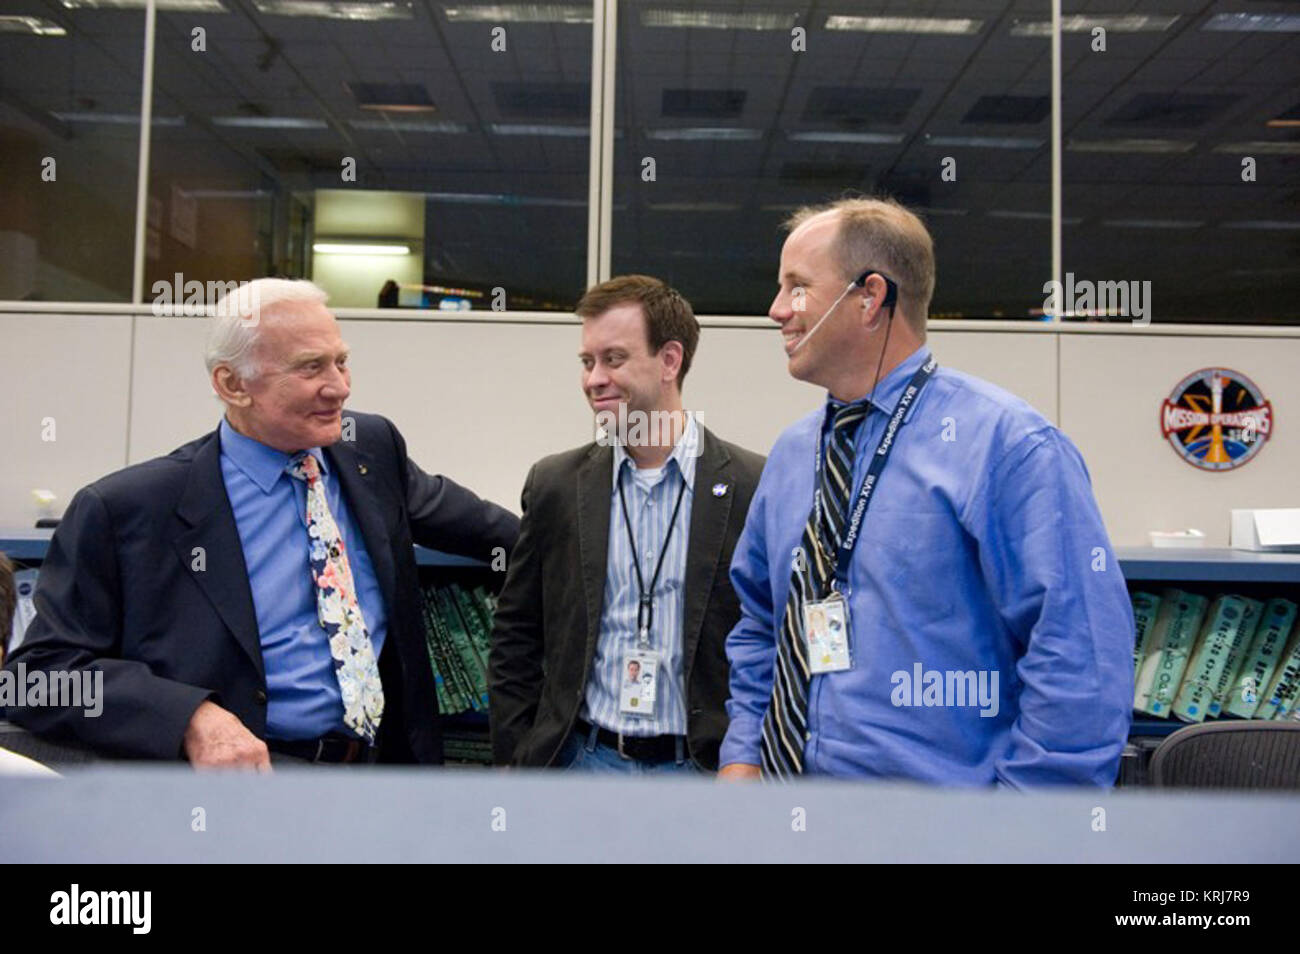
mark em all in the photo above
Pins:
pixel 76 370
pixel 1112 387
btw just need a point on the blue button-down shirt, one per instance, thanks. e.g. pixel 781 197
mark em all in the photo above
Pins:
pixel 650 501
pixel 990 626
pixel 303 697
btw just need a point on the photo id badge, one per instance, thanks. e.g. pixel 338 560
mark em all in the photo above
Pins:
pixel 637 683
pixel 826 632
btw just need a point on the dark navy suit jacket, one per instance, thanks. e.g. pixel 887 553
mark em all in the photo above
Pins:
pixel 123 590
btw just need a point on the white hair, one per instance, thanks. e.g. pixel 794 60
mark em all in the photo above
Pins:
pixel 238 317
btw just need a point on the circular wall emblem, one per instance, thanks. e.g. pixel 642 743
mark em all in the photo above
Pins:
pixel 1216 419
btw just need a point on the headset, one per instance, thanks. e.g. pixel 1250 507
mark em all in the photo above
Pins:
pixel 890 301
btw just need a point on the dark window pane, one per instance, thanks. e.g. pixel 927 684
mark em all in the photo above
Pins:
pixel 743 129
pixel 69 148
pixel 357 152
pixel 1156 128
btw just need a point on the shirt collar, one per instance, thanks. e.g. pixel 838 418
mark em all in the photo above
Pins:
pixel 891 386
pixel 261 464
pixel 684 454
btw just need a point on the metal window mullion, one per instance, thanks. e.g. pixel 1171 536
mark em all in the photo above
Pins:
pixel 142 175
pixel 1056 147
pixel 596 141
pixel 607 139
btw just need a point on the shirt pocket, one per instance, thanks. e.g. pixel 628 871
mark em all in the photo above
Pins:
pixel 925 564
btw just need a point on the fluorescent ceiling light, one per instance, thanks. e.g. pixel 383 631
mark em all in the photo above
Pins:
pixel 37 25
pixel 342 248
pixel 1261 224
pixel 490 198
pixel 336 9
pixel 407 125
pixel 268 122
pixel 948 25
pixel 1264 147
pixel 163 6
pixel 1124 23
pixel 1153 223
pixel 228 193
pixel 1253 23
pixel 525 129
pixel 985 142
pixel 693 207
pixel 1130 145
pixel 1012 214
pixel 702 133
pixel 117 119
pixel 717 19
pixel 518 13
pixel 864 139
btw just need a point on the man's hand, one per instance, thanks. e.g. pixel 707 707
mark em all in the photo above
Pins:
pixel 738 772
pixel 215 738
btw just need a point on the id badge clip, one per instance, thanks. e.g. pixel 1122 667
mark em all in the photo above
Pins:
pixel 826 634
pixel 639 683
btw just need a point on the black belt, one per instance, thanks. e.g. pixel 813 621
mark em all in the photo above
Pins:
pixel 328 748
pixel 654 748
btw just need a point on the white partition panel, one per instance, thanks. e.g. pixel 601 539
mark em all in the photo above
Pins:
pixel 66 377
pixel 1112 387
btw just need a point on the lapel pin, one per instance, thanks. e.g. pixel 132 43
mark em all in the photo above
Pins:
pixel 362 468
pixel 719 490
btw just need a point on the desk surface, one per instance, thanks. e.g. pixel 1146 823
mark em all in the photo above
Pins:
pixel 414 815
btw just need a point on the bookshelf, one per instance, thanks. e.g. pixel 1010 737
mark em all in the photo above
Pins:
pixel 1206 571
pixel 462 732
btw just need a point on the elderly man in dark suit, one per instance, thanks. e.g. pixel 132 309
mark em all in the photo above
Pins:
pixel 621 565
pixel 254 593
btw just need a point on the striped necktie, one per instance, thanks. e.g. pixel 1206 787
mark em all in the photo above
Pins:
pixel 785 725
pixel 337 608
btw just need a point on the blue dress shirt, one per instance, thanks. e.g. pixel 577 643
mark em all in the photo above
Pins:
pixel 983 562
pixel 650 503
pixel 303 697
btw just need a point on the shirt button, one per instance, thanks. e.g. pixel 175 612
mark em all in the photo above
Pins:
pixel 807 736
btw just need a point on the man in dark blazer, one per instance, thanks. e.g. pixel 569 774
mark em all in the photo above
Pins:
pixel 188 579
pixel 658 492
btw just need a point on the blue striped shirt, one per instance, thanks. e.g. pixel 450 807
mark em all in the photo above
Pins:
pixel 650 496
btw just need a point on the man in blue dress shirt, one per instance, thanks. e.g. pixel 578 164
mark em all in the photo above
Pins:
pixel 947 524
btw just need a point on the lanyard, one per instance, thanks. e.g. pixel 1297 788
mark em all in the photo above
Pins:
pixel 645 604
pixel 878 462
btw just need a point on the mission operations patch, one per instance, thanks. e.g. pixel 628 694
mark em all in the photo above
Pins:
pixel 1216 419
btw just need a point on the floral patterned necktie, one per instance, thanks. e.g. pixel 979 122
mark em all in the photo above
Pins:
pixel 340 616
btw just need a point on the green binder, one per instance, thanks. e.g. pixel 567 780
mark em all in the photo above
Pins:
pixel 1220 632
pixel 1262 658
pixel 1145 608
pixel 1178 623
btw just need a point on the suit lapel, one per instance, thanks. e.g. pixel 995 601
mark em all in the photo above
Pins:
pixel 709 514
pixel 595 478
pixel 356 474
pixel 223 578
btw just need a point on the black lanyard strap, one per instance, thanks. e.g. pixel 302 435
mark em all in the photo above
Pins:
pixel 645 602
pixel 879 459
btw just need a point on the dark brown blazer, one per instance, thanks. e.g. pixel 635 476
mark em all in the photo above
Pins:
pixel 548 618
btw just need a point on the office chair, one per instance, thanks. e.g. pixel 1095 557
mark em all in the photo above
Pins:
pixel 1238 754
